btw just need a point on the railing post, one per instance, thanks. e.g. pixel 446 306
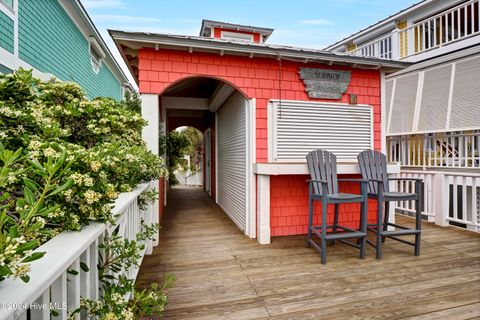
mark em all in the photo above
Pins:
pixel 440 199
pixel 263 204
pixel 395 45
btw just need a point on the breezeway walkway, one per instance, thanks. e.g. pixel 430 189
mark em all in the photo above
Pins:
pixel 222 274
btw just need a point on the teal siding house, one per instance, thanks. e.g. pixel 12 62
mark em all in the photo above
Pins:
pixel 57 38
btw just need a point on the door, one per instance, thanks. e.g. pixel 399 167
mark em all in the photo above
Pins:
pixel 208 156
pixel 232 159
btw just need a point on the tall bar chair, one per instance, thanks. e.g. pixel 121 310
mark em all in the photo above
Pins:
pixel 323 187
pixel 373 166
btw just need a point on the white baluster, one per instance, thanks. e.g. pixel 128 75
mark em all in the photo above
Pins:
pixel 73 288
pixel 59 296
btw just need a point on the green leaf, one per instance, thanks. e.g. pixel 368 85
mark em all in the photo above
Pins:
pixel 67 185
pixel 25 278
pixel 84 267
pixel 73 272
pixel 54 313
pixel 27 246
pixel 31 184
pixel 29 197
pixel 36 165
pixel 4 270
pixel 45 211
pixel 34 256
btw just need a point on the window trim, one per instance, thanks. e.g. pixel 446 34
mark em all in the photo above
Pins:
pixel 95 62
pixel 236 36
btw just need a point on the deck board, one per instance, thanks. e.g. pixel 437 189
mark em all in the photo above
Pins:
pixel 221 274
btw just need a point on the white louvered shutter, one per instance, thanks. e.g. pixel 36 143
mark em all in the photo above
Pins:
pixel 300 127
pixel 465 111
pixel 403 106
pixel 232 150
pixel 434 103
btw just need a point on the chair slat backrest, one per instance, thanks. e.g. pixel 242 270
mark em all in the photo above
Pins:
pixel 373 165
pixel 322 165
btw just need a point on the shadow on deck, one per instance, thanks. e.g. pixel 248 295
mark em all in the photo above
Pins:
pixel 221 274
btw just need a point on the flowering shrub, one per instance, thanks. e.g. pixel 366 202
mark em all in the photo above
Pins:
pixel 74 156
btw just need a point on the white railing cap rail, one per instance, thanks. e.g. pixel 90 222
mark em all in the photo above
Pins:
pixel 461 5
pixel 446 173
pixel 60 252
pixel 125 198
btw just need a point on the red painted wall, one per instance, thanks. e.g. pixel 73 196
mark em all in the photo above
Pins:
pixel 263 79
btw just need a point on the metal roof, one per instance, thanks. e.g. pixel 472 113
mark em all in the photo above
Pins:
pixel 239 27
pixel 223 46
pixel 382 22
pixel 94 32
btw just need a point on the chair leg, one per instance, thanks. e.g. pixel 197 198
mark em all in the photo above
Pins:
pixel 379 229
pixel 387 218
pixel 324 233
pixel 418 224
pixel 363 228
pixel 310 221
pixel 335 221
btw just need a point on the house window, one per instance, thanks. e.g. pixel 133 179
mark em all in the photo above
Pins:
pixel 96 55
pixel 236 36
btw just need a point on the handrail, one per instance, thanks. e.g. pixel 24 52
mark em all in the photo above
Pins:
pixel 447 173
pixel 464 4
pixel 65 250
pixel 69 246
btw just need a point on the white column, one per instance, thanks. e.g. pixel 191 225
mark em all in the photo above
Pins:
pixel 440 200
pixel 395 45
pixel 151 135
pixel 383 115
pixel 263 209
pixel 391 210
pixel 150 112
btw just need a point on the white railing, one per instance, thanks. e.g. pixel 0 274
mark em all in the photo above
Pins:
pixel 449 197
pixel 436 150
pixel 52 286
pixel 442 29
pixel 194 179
pixel 378 48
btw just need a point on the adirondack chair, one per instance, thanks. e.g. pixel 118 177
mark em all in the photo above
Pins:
pixel 373 166
pixel 323 186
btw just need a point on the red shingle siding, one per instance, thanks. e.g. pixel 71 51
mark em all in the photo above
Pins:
pixel 263 79
pixel 289 206
pixel 256 78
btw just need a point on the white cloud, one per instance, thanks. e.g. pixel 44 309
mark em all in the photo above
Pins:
pixel 317 22
pixel 122 18
pixel 94 4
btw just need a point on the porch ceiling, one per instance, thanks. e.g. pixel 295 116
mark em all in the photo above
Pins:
pixel 193 88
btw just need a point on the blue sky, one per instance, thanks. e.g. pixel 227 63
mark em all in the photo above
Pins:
pixel 304 23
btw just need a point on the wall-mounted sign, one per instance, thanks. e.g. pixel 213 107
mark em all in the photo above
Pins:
pixel 325 83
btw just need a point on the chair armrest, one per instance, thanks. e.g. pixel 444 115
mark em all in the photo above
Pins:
pixel 405 179
pixel 353 180
pixel 313 180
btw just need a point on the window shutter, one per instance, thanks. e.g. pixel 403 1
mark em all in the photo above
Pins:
pixel 403 105
pixel 299 127
pixel 465 113
pixel 434 103
pixel 231 143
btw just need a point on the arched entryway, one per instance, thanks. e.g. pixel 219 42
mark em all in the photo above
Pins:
pixel 226 118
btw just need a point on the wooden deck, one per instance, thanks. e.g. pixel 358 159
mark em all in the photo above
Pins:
pixel 221 274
